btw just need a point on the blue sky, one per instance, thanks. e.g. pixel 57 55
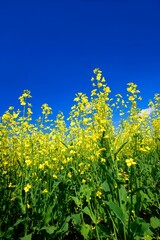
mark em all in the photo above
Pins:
pixel 52 47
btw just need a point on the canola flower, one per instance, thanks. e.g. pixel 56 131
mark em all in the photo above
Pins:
pixel 130 162
pixel 99 194
pixel 45 191
pixel 27 187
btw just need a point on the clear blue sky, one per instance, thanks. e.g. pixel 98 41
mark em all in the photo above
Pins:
pixel 52 47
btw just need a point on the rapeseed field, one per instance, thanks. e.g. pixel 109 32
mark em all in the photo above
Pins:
pixel 88 179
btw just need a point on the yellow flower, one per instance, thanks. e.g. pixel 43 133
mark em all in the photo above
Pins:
pixel 92 158
pixel 83 181
pixel 103 79
pixel 69 175
pixel 107 89
pixel 148 148
pixel 41 166
pixel 145 149
pixel 103 160
pixel 46 110
pixel 29 112
pixel 22 101
pixel 98 77
pixel 27 188
pixel 130 162
pixel 28 206
pixel 10 185
pixel 45 191
pixel 11 108
pixel 99 85
pixel 93 93
pixel 5 163
pixel 106 137
pixel 130 89
pixel 96 70
pixel 28 162
pixel 55 176
pixel 131 98
pixel 99 194
pixel 72 152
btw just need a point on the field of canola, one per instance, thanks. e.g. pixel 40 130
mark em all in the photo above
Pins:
pixel 84 180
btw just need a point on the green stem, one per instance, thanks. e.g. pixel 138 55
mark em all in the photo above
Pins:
pixel 114 225
pixel 131 206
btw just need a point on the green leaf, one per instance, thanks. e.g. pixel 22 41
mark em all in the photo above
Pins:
pixel 23 207
pixel 141 227
pixel 7 234
pixel 65 227
pixel 155 222
pixel 85 230
pixel 157 177
pixel 105 186
pixel 18 222
pixel 49 229
pixel 76 219
pixel 123 194
pixel 89 212
pixel 85 190
pixel 147 237
pixel 118 211
pixel 145 229
pixel 120 148
pixel 27 237
pixel 48 215
pixel 74 170
pixel 76 200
